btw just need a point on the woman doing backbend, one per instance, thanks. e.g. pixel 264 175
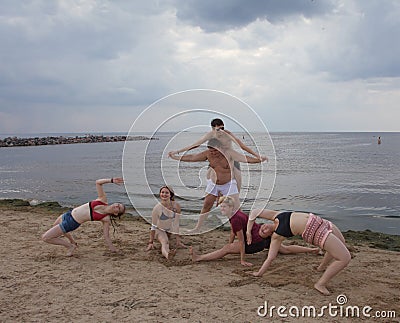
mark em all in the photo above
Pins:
pixel 96 210
pixel 258 241
pixel 314 230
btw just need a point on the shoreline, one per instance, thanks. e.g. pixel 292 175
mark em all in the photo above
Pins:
pixel 369 238
pixel 40 284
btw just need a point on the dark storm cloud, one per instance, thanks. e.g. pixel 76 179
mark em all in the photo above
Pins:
pixel 60 59
pixel 55 53
pixel 216 16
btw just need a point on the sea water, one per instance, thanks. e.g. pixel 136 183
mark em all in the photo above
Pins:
pixel 345 177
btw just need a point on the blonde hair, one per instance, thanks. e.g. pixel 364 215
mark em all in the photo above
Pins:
pixel 227 200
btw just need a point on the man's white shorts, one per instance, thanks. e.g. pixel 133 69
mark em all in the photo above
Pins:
pixel 226 189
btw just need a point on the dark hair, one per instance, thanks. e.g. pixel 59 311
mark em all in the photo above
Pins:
pixel 171 192
pixel 114 217
pixel 214 143
pixel 123 211
pixel 216 122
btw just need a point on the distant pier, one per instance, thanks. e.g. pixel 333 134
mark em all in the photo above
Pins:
pixel 62 140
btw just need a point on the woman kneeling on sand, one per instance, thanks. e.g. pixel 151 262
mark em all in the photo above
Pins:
pixel 96 210
pixel 313 230
pixel 165 220
pixel 258 240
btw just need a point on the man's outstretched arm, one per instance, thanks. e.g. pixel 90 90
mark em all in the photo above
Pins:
pixel 190 157
pixel 236 156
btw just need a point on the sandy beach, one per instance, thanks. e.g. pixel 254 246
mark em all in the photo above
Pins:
pixel 38 283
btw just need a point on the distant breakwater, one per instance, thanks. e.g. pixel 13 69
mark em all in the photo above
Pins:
pixel 61 140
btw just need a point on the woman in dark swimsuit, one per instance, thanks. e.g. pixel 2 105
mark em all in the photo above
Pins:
pixel 96 210
pixel 314 230
pixel 165 220
pixel 259 241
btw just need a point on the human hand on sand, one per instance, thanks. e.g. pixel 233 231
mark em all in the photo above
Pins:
pixel 180 245
pixel 249 238
pixel 255 274
pixel 150 246
pixel 245 263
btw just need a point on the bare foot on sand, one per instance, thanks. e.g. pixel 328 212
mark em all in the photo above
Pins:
pixel 322 289
pixel 71 250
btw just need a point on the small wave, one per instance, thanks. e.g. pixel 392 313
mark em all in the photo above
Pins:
pixel 35 202
pixel 360 145
pixel 370 209
pixel 387 216
pixel 8 191
pixel 193 186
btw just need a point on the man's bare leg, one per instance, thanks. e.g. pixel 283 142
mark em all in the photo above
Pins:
pixel 238 176
pixel 207 205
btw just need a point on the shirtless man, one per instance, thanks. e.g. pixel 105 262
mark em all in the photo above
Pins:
pixel 222 181
pixel 226 138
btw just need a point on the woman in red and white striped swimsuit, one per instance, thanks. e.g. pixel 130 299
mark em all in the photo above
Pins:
pixel 314 230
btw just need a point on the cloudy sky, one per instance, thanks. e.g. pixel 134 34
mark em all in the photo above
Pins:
pixel 302 65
